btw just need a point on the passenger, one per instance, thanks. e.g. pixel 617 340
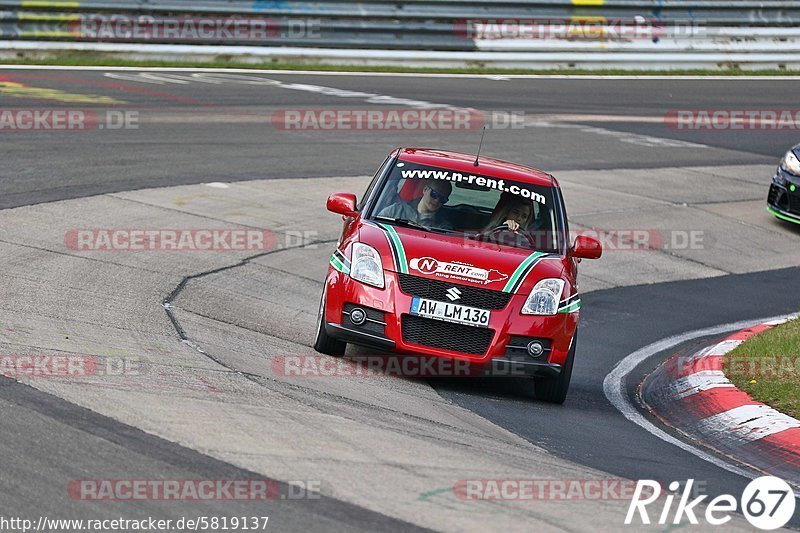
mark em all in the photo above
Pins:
pixel 513 211
pixel 426 209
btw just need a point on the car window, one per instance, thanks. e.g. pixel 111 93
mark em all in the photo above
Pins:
pixel 375 179
pixel 478 206
pixel 462 195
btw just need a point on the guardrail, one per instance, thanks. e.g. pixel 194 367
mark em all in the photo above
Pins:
pixel 722 12
pixel 731 33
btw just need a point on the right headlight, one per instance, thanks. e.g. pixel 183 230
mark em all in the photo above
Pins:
pixel 366 265
pixel 544 297
pixel 791 163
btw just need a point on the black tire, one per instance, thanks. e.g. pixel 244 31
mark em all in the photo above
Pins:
pixel 554 390
pixel 324 343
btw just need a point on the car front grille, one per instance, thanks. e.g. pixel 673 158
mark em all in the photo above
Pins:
pixel 437 290
pixel 446 335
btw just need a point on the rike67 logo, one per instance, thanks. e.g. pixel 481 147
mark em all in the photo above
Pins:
pixel 768 503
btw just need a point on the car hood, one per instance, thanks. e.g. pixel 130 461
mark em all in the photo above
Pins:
pixel 457 260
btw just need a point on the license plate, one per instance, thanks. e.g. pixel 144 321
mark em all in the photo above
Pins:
pixel 460 314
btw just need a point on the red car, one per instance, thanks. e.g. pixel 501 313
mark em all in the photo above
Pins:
pixel 448 255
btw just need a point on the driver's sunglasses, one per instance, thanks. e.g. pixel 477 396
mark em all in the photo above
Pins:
pixel 439 196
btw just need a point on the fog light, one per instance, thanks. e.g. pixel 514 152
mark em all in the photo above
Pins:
pixel 535 348
pixel 358 316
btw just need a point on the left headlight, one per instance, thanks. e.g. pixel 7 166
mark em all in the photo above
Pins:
pixel 366 265
pixel 544 297
pixel 791 163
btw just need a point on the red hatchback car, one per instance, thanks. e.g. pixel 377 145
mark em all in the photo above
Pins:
pixel 450 256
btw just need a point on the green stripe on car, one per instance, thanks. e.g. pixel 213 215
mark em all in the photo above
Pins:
pixel 520 271
pixel 783 217
pixel 338 265
pixel 341 257
pixel 571 307
pixel 397 248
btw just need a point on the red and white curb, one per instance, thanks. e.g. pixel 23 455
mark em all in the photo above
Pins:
pixel 692 395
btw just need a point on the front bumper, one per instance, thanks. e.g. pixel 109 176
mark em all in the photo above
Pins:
pixel 782 201
pixel 389 311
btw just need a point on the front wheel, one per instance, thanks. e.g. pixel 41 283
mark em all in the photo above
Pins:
pixel 554 390
pixel 324 343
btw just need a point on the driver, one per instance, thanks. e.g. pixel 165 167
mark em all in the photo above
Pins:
pixel 426 209
pixel 513 211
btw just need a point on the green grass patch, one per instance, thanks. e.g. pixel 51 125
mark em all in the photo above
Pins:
pixel 767 367
pixel 88 59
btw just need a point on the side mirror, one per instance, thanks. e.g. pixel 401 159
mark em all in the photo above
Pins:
pixel 342 203
pixel 586 248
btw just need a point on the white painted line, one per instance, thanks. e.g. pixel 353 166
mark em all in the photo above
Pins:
pixel 747 423
pixel 378 99
pixel 622 136
pixel 371 98
pixel 615 390
pixel 493 77
pixel 776 322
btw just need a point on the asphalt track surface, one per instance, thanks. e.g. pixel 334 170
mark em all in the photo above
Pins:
pixel 48 442
pixel 201 132
pixel 620 321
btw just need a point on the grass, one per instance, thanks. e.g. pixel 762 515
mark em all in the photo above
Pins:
pixel 86 59
pixel 767 367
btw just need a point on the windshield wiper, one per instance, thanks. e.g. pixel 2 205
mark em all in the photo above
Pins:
pixel 404 222
pixel 415 225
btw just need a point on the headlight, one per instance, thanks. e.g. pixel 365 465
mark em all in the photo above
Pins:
pixel 366 265
pixel 791 163
pixel 544 297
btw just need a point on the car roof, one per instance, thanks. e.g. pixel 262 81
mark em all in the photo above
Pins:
pixel 495 168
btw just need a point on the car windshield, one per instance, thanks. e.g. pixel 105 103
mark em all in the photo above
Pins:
pixel 481 207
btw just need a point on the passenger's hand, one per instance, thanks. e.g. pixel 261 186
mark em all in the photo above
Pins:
pixel 513 225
